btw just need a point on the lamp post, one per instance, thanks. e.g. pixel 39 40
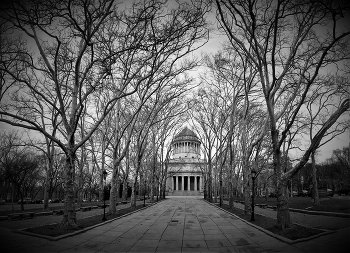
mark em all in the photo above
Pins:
pixel 253 173
pixel 104 195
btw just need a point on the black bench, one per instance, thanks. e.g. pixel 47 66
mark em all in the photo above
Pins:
pixel 84 209
pixel 20 216
pixel 124 202
pixel 44 213
pixel 58 212
pixel 272 207
pixel 262 205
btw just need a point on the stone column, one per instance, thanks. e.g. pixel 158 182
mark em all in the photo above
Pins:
pixel 177 183
pixel 195 183
pixel 189 183
pixel 182 182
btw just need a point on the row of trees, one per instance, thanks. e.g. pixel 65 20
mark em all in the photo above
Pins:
pixel 331 173
pixel 105 86
pixel 23 172
pixel 96 77
pixel 279 85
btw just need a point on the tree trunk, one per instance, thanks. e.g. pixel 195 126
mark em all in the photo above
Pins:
pixel 80 183
pixel 134 184
pixel 153 174
pixel 47 185
pixel 113 193
pixel 164 189
pixel 283 215
pixel 101 186
pixel 127 169
pixel 230 202
pixel 69 216
pixel 114 188
pixel 12 196
pixel 152 187
pixel 133 194
pixel 209 181
pixel 221 192
pixel 314 180
pixel 246 194
pixel 125 189
pixel 215 189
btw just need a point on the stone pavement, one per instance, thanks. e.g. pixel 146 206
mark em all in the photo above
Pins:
pixel 174 225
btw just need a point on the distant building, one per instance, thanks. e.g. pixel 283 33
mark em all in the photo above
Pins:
pixel 185 168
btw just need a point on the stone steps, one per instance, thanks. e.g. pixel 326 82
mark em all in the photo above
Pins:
pixel 185 193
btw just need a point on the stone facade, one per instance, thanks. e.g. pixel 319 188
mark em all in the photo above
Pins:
pixel 185 167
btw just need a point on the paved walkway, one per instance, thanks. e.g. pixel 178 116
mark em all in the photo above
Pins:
pixel 174 225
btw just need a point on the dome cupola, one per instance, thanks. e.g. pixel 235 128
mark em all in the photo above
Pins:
pixel 186 144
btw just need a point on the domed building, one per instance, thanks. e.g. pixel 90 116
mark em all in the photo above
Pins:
pixel 185 168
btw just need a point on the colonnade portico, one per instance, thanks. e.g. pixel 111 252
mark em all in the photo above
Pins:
pixel 194 183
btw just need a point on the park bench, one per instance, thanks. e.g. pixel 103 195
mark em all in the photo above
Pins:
pixel 44 213
pixel 58 212
pixel 274 208
pixel 84 209
pixel 124 202
pixel 21 216
pixel 262 205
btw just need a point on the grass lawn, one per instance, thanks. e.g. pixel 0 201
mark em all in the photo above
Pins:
pixel 36 208
pixel 39 208
pixel 57 230
pixel 330 204
pixel 293 233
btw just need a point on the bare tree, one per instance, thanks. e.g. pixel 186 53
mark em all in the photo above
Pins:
pixel 319 107
pixel 290 43
pixel 343 157
pixel 19 164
